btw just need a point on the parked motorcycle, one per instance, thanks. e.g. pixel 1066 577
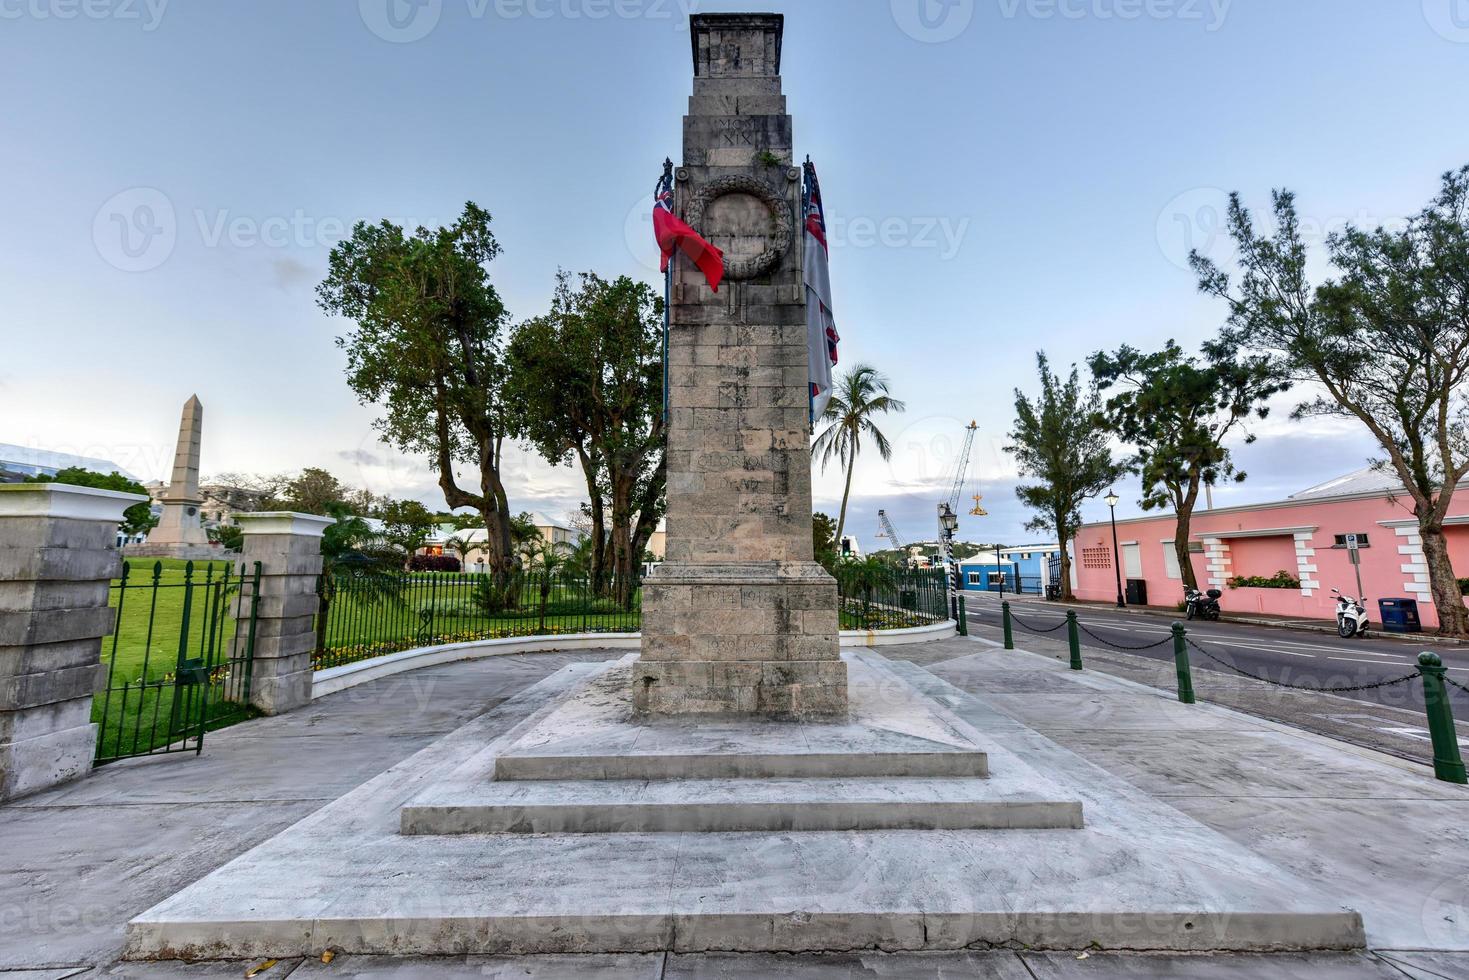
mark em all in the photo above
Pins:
pixel 1202 605
pixel 1351 616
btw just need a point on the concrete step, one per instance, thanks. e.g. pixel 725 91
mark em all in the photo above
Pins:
pixel 934 762
pixel 731 806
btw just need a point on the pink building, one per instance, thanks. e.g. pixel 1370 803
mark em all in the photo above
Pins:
pixel 1303 535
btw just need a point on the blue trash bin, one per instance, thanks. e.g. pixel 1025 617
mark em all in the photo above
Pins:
pixel 1399 615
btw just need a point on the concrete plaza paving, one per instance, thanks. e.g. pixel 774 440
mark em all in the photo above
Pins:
pixel 1371 831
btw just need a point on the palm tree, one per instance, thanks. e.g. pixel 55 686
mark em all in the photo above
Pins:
pixel 355 559
pixel 858 397
pixel 547 558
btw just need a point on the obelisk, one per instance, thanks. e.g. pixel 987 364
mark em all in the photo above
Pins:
pixel 740 620
pixel 180 526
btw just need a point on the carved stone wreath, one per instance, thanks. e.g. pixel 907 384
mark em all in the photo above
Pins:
pixel 777 243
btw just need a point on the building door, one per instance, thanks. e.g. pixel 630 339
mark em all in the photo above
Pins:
pixel 1132 560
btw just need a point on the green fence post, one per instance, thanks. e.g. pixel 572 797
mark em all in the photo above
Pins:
pixel 963 615
pixel 1448 763
pixel 1073 638
pixel 1009 626
pixel 1180 658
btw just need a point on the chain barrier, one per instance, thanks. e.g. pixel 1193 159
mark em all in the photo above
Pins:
pixel 1122 646
pixel 1305 687
pixel 1035 629
pixel 1453 683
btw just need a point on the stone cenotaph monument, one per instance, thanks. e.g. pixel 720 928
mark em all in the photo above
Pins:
pixel 740 620
pixel 180 532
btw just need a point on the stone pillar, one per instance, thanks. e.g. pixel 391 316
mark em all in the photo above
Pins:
pixel 288 547
pixel 58 555
pixel 740 620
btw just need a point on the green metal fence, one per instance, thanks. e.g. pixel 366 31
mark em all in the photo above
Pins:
pixel 178 661
pixel 369 616
pixel 372 615
pixel 877 597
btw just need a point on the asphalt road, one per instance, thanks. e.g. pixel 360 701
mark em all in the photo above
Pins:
pixel 1298 657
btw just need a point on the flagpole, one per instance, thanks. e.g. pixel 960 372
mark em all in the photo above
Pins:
pixel 667 305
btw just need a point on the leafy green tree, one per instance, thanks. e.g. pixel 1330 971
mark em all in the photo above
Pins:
pixel 1061 440
pixel 1387 342
pixel 823 536
pixel 228 536
pixel 589 377
pixel 858 398
pixel 312 491
pixel 137 519
pixel 406 523
pixel 427 349
pixel 1179 412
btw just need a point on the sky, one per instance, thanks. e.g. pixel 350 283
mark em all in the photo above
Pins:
pixel 1001 176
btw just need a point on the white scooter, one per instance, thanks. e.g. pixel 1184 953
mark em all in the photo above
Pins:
pixel 1351 616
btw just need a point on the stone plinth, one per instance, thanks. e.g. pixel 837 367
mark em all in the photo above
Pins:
pixel 58 555
pixel 740 620
pixel 288 547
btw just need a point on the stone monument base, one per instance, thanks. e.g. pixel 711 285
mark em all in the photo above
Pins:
pixel 183 552
pixel 558 822
pixel 755 639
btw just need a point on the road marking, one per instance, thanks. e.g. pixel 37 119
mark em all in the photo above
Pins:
pixel 1380 663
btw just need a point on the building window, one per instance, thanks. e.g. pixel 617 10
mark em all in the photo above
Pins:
pixel 997 578
pixel 1096 558
pixel 974 578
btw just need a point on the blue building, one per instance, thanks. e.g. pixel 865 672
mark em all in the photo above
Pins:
pixel 1024 569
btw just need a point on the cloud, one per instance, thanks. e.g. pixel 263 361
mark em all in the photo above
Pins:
pixel 289 273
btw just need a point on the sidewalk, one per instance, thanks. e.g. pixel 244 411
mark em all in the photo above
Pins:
pixel 1372 832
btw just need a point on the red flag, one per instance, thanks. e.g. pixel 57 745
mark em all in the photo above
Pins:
pixel 675 234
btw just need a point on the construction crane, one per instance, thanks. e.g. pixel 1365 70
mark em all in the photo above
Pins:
pixel 885 529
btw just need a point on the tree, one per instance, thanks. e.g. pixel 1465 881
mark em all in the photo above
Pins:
pixel 228 536
pixel 406 523
pixel 427 350
pixel 859 396
pixel 589 377
pixel 1061 440
pixel 137 519
pixel 1387 341
pixel 1179 411
pixel 823 536
pixel 312 491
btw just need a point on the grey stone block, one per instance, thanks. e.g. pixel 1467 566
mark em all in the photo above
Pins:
pixel 51 686
pixel 42 761
pixel 276 693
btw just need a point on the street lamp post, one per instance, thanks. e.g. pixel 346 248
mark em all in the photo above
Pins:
pixel 1112 501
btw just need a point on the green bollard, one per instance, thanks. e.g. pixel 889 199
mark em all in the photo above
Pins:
pixel 1009 627
pixel 963 616
pixel 1180 658
pixel 1073 637
pixel 1448 764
